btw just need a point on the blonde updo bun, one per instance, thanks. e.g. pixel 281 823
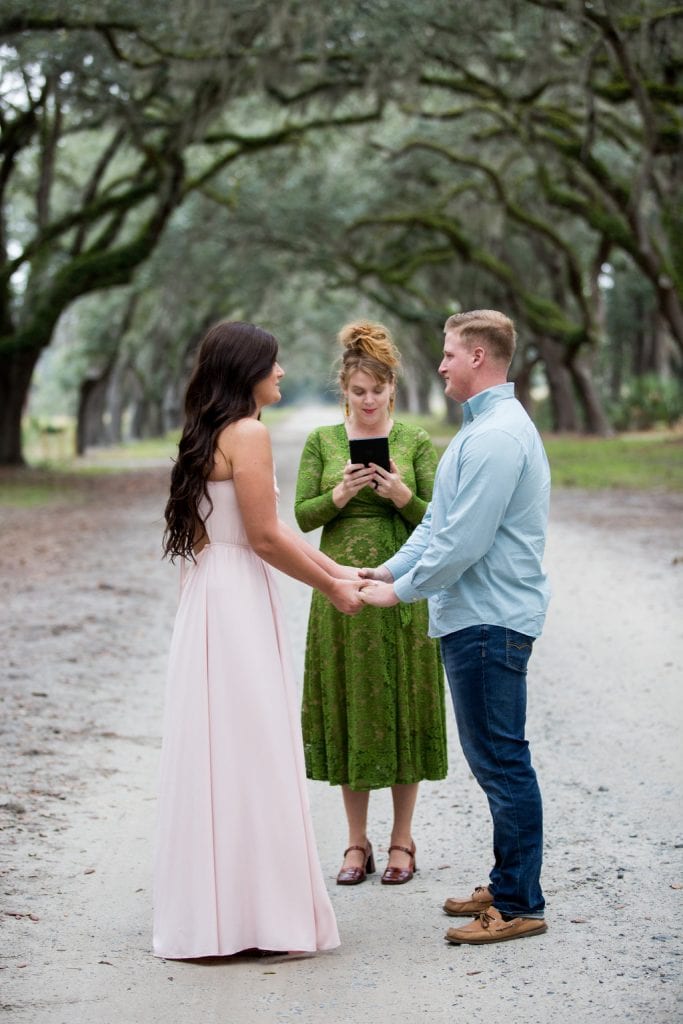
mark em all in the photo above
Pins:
pixel 369 347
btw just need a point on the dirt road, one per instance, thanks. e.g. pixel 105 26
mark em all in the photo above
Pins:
pixel 87 616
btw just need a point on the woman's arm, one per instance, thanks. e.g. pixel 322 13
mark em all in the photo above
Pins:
pixel 313 508
pixel 340 572
pixel 246 446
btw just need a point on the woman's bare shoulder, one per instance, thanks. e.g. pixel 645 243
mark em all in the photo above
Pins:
pixel 247 429
pixel 247 437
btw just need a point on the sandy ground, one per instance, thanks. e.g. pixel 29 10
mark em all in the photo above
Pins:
pixel 87 616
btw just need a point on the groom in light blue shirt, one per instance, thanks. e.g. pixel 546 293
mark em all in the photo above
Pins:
pixel 477 557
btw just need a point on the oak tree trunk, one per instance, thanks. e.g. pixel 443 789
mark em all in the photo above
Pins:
pixel 595 418
pixel 16 370
pixel 562 402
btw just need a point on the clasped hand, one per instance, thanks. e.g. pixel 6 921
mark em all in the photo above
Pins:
pixel 354 588
pixel 345 595
pixel 381 595
pixel 377 588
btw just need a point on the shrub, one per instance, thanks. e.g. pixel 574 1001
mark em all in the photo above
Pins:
pixel 647 402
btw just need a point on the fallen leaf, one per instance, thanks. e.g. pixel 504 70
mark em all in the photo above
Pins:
pixel 107 962
pixel 89 871
pixel 677 885
pixel 579 920
pixel 473 972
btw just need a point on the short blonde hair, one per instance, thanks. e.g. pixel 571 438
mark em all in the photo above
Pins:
pixel 489 326
pixel 369 347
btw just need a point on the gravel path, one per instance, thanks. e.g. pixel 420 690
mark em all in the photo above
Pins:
pixel 88 608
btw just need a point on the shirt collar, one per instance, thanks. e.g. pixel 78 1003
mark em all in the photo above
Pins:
pixel 486 399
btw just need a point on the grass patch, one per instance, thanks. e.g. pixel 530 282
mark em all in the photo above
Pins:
pixel 437 427
pixel 637 462
pixel 121 457
pixel 273 414
pixel 29 488
pixel 115 459
pixel 14 494
pixel 652 461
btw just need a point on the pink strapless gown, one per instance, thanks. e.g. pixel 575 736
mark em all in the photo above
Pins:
pixel 236 863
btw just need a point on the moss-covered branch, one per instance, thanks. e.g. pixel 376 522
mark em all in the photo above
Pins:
pixel 518 214
pixel 542 314
pixel 97 268
pixel 87 216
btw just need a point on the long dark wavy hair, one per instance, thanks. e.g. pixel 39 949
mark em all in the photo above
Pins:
pixel 232 359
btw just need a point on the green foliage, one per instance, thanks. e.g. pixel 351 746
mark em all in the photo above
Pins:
pixel 647 402
pixel 673 220
pixel 48 439
pixel 519 147
pixel 113 115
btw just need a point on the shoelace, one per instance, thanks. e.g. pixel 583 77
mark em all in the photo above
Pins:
pixel 486 919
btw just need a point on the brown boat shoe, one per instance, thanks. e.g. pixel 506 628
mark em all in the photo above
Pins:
pixel 491 926
pixel 481 899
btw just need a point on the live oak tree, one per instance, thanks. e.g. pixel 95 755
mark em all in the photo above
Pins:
pixel 523 147
pixel 245 248
pixel 545 141
pixel 534 143
pixel 111 117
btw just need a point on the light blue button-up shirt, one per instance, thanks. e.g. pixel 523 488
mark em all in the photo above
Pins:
pixel 478 551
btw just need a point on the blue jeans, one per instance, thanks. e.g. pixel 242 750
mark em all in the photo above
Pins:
pixel 486 671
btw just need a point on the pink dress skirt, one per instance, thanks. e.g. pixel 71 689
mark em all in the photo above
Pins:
pixel 236 864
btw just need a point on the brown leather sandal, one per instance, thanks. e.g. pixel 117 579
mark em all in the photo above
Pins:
pixel 356 875
pixel 399 876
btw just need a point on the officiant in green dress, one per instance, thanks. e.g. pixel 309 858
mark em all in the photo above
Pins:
pixel 373 711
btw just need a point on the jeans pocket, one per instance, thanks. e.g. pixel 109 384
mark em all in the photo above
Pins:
pixel 518 648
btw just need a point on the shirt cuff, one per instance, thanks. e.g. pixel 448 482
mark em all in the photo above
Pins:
pixel 405 591
pixel 397 565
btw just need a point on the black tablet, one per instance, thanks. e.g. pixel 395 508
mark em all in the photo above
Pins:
pixel 370 449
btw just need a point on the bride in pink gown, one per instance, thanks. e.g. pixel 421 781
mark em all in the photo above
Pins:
pixel 236 865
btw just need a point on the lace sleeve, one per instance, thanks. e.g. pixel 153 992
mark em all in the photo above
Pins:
pixel 424 465
pixel 311 508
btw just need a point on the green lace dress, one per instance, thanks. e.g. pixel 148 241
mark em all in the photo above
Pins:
pixel 373 710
